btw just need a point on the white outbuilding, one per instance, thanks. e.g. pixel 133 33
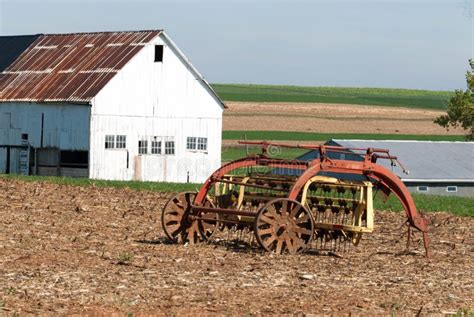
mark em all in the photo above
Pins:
pixel 108 105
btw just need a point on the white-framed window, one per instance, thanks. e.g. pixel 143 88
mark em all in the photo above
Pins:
pixel 451 189
pixel 110 141
pixel 196 144
pixel 191 143
pixel 169 147
pixel 202 144
pixel 143 146
pixel 155 146
pixel 121 142
pixel 423 189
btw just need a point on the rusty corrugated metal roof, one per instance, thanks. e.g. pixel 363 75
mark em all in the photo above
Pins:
pixel 69 67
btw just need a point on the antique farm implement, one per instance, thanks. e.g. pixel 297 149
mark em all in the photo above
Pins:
pixel 289 203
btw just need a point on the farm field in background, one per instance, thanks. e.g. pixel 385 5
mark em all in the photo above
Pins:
pixel 333 118
pixel 341 95
pixel 100 250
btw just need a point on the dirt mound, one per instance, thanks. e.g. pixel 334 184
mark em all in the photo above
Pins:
pixel 67 249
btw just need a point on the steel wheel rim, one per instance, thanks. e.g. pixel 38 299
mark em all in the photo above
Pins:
pixel 284 225
pixel 174 217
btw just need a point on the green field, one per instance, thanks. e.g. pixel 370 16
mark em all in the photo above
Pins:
pixel 461 206
pixel 358 96
pixel 311 136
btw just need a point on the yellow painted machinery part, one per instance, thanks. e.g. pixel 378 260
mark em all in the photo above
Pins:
pixel 365 204
pixel 242 192
pixel 369 205
pixel 315 179
pixel 221 188
pixel 241 199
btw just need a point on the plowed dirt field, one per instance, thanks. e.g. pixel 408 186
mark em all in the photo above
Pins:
pixel 86 250
pixel 331 118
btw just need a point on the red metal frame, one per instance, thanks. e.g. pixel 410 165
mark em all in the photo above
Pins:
pixel 384 178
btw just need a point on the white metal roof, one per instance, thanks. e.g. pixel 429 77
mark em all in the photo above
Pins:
pixel 426 160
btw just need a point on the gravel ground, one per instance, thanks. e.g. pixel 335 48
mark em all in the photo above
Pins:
pixel 98 251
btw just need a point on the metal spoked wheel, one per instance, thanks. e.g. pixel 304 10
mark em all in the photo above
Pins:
pixel 284 225
pixel 174 217
pixel 177 225
pixel 209 222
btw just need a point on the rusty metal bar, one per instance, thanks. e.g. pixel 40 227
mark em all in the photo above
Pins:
pixel 225 211
pixel 221 180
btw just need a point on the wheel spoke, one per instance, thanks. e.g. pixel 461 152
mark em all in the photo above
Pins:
pixel 178 207
pixel 170 217
pixel 295 210
pixel 272 211
pixel 266 231
pixel 303 230
pixel 267 220
pixel 289 245
pixel 269 241
pixel 279 246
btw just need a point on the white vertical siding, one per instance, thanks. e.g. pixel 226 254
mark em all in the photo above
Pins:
pixel 112 163
pixel 162 99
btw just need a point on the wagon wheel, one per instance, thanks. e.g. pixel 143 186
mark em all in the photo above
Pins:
pixel 209 222
pixel 179 228
pixel 174 217
pixel 284 225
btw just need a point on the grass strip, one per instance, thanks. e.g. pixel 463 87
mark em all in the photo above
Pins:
pixel 313 136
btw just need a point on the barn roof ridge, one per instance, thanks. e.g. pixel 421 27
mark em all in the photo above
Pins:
pixel 83 33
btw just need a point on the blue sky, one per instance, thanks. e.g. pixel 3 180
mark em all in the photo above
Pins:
pixel 386 43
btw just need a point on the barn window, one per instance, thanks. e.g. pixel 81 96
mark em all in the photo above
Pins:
pixel 158 53
pixel 202 144
pixel 423 189
pixel 169 147
pixel 142 147
pixel 110 141
pixel 191 143
pixel 121 142
pixel 452 189
pixel 155 146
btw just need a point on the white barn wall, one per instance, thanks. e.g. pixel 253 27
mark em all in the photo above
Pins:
pixel 112 164
pixel 163 99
